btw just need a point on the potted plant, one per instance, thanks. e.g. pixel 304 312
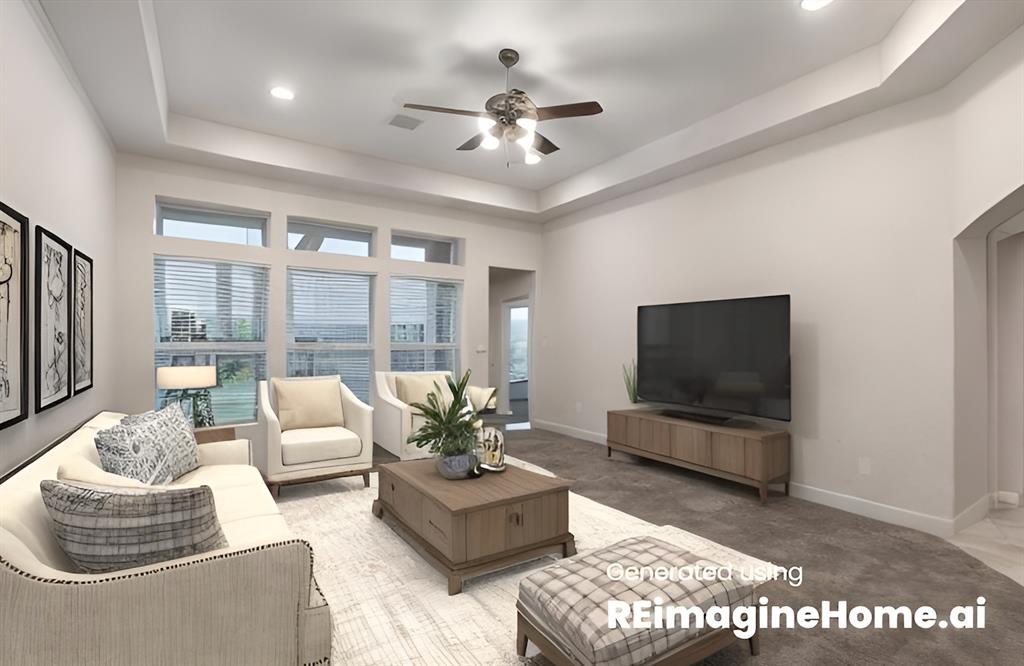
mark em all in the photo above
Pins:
pixel 450 429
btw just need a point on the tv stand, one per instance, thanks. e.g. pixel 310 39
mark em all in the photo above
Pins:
pixel 695 416
pixel 752 456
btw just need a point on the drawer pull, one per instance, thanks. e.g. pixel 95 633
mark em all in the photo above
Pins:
pixel 515 519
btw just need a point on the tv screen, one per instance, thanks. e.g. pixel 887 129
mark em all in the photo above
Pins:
pixel 729 356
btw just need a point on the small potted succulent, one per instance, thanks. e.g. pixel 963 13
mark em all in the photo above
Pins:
pixel 450 429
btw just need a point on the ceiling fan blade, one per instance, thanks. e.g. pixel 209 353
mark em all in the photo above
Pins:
pixel 568 110
pixel 473 143
pixel 441 109
pixel 542 144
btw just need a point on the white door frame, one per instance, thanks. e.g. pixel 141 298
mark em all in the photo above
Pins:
pixel 506 335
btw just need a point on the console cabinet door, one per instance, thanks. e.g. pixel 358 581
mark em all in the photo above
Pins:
pixel 691 445
pixel 728 453
pixel 617 428
pixel 633 432
pixel 655 436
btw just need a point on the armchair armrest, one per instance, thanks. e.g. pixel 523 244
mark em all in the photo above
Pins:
pixel 267 449
pixel 358 419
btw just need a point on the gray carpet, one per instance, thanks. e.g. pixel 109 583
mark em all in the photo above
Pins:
pixel 844 556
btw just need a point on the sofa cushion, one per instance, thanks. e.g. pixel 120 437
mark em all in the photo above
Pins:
pixel 154 449
pixel 308 403
pixel 256 530
pixel 307 445
pixel 78 468
pixel 481 398
pixel 221 476
pixel 107 529
pixel 415 387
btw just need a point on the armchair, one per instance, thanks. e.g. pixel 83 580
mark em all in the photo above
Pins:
pixel 291 454
pixel 394 420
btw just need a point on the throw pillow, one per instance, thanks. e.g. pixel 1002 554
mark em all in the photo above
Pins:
pixel 308 403
pixel 80 468
pixel 153 449
pixel 107 529
pixel 414 388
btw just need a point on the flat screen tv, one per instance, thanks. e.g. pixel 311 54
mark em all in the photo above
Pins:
pixel 727 356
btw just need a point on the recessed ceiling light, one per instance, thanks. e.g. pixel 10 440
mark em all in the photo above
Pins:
pixel 281 92
pixel 814 5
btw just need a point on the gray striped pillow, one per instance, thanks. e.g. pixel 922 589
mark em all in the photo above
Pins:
pixel 103 528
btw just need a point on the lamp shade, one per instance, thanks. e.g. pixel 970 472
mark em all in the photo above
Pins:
pixel 186 376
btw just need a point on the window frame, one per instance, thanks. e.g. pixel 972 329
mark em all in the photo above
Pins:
pixel 213 216
pixel 455 345
pixel 207 347
pixel 291 345
pixel 341 227
pixel 455 245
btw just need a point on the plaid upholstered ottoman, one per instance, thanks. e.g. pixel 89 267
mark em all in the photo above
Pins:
pixel 563 609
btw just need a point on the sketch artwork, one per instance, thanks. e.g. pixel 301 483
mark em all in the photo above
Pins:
pixel 53 315
pixel 13 316
pixel 82 312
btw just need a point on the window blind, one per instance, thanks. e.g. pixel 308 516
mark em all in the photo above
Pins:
pixel 213 313
pixel 329 326
pixel 424 324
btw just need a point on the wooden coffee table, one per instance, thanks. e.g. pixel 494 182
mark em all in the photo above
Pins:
pixel 472 526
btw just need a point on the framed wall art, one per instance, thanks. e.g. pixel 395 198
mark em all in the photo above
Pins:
pixel 81 366
pixel 13 316
pixel 54 274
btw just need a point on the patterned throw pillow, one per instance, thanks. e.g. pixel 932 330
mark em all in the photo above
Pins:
pixel 102 528
pixel 155 447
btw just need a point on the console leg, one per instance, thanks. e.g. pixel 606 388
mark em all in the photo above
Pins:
pixel 454 584
pixel 755 645
pixel 609 450
pixel 787 488
pixel 763 491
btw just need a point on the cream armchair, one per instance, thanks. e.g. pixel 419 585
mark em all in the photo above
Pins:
pixel 394 420
pixel 295 454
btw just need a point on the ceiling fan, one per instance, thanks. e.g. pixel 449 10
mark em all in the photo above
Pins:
pixel 512 116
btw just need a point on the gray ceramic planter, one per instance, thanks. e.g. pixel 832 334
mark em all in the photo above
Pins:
pixel 456 467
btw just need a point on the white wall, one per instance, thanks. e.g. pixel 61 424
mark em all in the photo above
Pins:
pixel 57 168
pixel 857 223
pixel 1010 364
pixel 488 241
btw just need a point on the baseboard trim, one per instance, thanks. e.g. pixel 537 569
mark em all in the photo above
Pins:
pixel 1008 497
pixel 579 433
pixel 975 512
pixel 941 527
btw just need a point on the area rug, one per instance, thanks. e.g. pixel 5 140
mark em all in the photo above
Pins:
pixel 389 606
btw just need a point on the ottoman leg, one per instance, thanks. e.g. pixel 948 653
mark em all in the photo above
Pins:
pixel 755 645
pixel 521 639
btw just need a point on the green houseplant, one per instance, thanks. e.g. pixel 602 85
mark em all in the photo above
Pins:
pixel 629 379
pixel 450 429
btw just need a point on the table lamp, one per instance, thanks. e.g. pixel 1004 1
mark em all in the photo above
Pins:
pixel 191 382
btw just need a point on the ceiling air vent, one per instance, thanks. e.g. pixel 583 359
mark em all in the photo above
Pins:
pixel 405 122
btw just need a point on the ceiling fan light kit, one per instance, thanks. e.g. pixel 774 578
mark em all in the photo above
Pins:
pixel 512 117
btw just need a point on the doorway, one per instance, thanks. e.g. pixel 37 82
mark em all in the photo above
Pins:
pixel 511 326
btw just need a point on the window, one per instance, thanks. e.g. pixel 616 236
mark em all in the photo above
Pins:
pixel 213 313
pixel 208 225
pixel 319 237
pixel 415 248
pixel 424 325
pixel 328 327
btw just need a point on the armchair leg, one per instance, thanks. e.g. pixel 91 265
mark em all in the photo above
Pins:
pixel 366 479
pixel 275 489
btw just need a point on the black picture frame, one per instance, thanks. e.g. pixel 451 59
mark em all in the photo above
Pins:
pixel 58 342
pixel 76 347
pixel 22 291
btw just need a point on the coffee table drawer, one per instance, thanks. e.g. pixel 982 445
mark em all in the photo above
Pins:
pixel 437 528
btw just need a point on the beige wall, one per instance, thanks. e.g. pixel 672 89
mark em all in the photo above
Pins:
pixel 488 241
pixel 57 168
pixel 857 223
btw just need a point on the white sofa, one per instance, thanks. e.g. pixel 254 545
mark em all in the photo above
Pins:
pixel 394 421
pixel 306 454
pixel 254 602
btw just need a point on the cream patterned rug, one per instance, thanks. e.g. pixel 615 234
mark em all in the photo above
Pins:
pixel 389 606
